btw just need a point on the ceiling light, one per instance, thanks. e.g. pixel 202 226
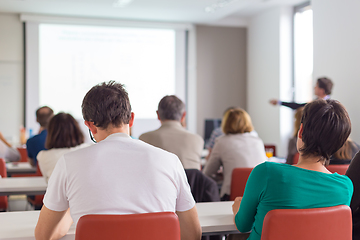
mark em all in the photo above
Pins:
pixel 121 3
pixel 219 5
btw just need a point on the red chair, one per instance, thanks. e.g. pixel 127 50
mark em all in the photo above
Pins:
pixel 3 174
pixel 331 223
pixel 339 168
pixel 23 154
pixel 239 178
pixel 160 226
pixel 296 158
pixel 273 147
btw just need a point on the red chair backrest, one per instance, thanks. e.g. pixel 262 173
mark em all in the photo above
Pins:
pixel 239 178
pixel 23 154
pixel 339 168
pixel 3 174
pixel 150 226
pixel 296 158
pixel 330 223
pixel 273 147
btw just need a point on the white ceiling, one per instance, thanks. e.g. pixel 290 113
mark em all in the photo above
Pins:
pixel 191 11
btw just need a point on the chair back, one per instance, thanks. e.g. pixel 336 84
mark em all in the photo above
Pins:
pixel 239 178
pixel 150 226
pixel 23 154
pixel 331 223
pixel 339 168
pixel 296 158
pixel 3 174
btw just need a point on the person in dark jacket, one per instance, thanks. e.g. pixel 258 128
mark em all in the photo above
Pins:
pixel 353 174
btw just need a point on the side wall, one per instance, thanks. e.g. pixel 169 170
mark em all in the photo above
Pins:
pixel 11 76
pixel 337 51
pixel 269 75
pixel 221 71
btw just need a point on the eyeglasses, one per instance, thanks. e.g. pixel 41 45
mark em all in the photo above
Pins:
pixel 92 137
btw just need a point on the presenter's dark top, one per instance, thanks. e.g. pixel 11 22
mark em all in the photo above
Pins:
pixel 36 144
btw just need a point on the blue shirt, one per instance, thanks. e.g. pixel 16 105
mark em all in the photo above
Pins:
pixel 35 144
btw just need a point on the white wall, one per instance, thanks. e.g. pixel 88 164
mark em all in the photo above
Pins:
pixel 11 76
pixel 221 71
pixel 337 51
pixel 269 75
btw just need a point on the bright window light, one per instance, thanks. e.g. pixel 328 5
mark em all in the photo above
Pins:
pixel 303 56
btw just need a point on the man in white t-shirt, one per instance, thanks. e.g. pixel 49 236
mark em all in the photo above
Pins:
pixel 118 175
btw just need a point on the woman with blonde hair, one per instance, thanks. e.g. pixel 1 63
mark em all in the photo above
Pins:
pixel 345 153
pixel 292 150
pixel 238 148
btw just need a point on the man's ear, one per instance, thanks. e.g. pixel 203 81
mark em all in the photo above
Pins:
pixel 300 131
pixel 183 116
pixel 131 122
pixel 157 113
pixel 91 126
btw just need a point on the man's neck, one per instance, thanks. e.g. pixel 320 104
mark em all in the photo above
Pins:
pixel 104 133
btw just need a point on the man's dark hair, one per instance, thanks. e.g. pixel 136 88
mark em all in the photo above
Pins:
pixel 326 84
pixel 107 103
pixel 43 115
pixel 63 132
pixel 326 126
pixel 171 108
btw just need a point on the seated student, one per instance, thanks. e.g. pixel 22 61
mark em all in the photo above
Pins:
pixel 117 175
pixel 8 153
pixel 292 150
pixel 64 135
pixel 172 136
pixel 325 126
pixel 353 174
pixel 37 143
pixel 345 153
pixel 237 148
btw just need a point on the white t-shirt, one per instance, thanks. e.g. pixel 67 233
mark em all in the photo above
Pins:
pixel 118 175
pixel 47 159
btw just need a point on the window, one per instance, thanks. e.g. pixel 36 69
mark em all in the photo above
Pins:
pixel 303 53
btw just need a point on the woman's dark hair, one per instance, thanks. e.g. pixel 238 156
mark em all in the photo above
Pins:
pixel 63 132
pixel 326 126
pixel 107 103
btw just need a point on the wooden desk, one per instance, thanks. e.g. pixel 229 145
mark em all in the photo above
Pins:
pixel 214 218
pixel 22 185
pixel 19 167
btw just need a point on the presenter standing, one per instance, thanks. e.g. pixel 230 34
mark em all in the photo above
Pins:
pixel 322 90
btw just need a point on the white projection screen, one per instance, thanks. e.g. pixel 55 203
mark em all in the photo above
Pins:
pixel 64 61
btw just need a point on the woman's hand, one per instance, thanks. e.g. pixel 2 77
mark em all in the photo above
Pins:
pixel 236 205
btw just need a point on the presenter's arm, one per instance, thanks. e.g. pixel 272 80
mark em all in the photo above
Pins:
pixel 190 228
pixel 293 105
pixel 52 224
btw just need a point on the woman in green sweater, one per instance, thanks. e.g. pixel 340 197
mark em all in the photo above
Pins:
pixel 325 126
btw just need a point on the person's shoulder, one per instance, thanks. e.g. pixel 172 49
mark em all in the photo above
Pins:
pixel 148 135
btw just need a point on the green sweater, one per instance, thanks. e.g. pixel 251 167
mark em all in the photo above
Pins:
pixel 281 186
